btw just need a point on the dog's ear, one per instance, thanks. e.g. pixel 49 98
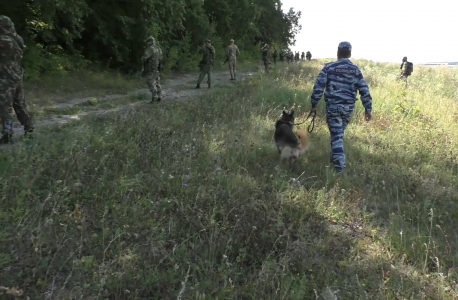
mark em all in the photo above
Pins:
pixel 284 113
pixel 292 113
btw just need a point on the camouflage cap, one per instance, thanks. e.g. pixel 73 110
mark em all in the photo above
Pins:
pixel 150 39
pixel 344 45
pixel 207 41
pixel 6 25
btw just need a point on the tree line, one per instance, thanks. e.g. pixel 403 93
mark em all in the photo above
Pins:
pixel 68 34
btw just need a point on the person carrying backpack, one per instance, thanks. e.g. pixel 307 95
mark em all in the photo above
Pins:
pixel 406 69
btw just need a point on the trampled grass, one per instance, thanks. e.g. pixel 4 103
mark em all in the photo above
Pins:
pixel 188 200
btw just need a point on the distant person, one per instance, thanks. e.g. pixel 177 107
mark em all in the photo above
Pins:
pixel 291 56
pixel 11 82
pixel 308 55
pixel 282 55
pixel 275 55
pixel 340 82
pixel 296 57
pixel 406 69
pixel 232 51
pixel 303 55
pixel 266 57
pixel 151 60
pixel 206 64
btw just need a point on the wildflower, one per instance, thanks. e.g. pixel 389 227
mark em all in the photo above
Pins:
pixel 185 185
pixel 85 149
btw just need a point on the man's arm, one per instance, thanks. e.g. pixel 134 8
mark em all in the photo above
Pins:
pixel 319 87
pixel 366 98
pixel 238 51
pixel 146 55
pixel 213 54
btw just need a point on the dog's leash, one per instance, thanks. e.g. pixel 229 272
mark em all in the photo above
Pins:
pixel 311 127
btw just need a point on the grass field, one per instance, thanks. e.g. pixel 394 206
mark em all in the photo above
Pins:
pixel 188 200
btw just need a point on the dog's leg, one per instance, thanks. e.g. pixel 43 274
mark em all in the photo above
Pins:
pixel 293 163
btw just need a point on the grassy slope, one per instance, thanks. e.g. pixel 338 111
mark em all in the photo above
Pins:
pixel 130 205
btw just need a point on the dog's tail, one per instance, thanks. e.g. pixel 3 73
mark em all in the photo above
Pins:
pixel 304 142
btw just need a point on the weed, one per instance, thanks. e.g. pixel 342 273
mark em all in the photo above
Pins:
pixel 189 199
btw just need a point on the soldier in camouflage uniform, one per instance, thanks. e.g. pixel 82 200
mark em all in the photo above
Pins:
pixel 405 72
pixel 266 57
pixel 341 80
pixel 11 81
pixel 290 56
pixel 275 55
pixel 206 64
pixel 232 52
pixel 308 55
pixel 151 61
pixel 296 56
pixel 303 56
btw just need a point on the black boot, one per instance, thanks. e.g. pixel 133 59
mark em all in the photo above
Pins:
pixel 197 87
pixel 7 138
pixel 28 132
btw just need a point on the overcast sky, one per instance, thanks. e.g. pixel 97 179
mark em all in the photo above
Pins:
pixel 385 30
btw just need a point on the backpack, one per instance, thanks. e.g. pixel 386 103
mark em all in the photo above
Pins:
pixel 409 68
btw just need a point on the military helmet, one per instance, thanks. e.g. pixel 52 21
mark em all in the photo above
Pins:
pixel 6 24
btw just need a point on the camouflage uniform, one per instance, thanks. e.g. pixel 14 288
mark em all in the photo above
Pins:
pixel 308 55
pixel 275 55
pixel 404 73
pixel 341 80
pixel 266 57
pixel 282 55
pixel 290 56
pixel 151 61
pixel 296 56
pixel 303 56
pixel 232 52
pixel 206 64
pixel 11 81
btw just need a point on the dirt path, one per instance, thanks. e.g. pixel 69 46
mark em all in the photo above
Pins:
pixel 177 88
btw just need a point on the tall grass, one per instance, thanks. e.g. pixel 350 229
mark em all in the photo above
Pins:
pixel 189 200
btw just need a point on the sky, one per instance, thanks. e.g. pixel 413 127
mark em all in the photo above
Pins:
pixel 379 30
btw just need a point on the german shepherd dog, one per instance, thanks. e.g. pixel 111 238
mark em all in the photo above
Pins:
pixel 288 144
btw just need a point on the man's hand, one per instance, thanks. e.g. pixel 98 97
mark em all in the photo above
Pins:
pixel 368 117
